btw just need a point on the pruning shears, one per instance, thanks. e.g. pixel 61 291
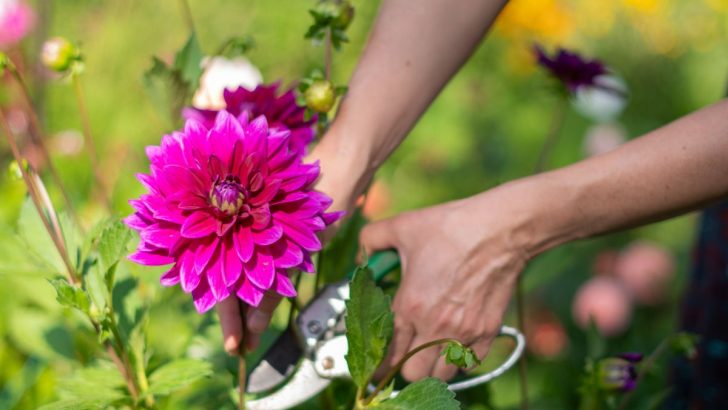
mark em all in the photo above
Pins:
pixel 310 353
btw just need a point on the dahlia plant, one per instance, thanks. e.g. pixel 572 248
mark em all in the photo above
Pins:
pixel 231 204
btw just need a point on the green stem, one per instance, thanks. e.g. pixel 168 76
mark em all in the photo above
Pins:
pixel 39 140
pixel 242 370
pixel 328 54
pixel 124 356
pixel 394 370
pixel 646 366
pixel 33 192
pixel 88 138
pixel 557 122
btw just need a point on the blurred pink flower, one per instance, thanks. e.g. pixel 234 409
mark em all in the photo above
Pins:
pixel 646 271
pixel 16 20
pixel 281 111
pixel 545 335
pixel 605 301
pixel 232 207
pixel 602 138
pixel 605 262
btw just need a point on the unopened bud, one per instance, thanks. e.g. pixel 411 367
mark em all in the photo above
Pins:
pixel 344 15
pixel 59 54
pixel 320 96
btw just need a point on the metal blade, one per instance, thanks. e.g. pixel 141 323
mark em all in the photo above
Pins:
pixel 277 364
pixel 304 384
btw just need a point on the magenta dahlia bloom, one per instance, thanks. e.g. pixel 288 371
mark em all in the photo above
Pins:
pixel 16 20
pixel 281 111
pixel 232 207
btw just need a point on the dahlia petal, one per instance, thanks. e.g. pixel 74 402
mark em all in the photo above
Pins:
pixel 286 254
pixel 294 183
pixel 307 264
pixel 315 224
pixel 261 216
pixel 148 182
pixel 204 253
pixel 189 276
pixel 244 243
pixel 150 259
pixel 289 198
pixel 304 209
pixel 160 237
pixel 171 277
pixel 203 298
pixel 184 178
pixel 232 264
pixel 284 286
pixel 215 165
pixel 192 203
pixel 261 270
pixel 136 221
pixel 249 294
pixel 198 225
pixel 299 233
pixel 215 278
pixel 268 236
pixel 331 217
pixel 267 194
pixel 324 200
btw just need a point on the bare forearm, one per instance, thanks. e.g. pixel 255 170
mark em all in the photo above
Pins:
pixel 674 169
pixel 414 48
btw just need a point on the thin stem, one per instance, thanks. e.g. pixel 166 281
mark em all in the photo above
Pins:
pixel 187 15
pixel 37 201
pixel 124 355
pixel 394 370
pixel 242 370
pixel 328 54
pixel 646 366
pixel 38 138
pixel 294 302
pixel 114 355
pixel 88 138
pixel 557 122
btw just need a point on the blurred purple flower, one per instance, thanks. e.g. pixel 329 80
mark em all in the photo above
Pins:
pixel 619 373
pixel 281 111
pixel 232 207
pixel 571 69
pixel 16 20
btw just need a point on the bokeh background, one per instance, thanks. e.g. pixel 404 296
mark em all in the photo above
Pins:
pixel 487 127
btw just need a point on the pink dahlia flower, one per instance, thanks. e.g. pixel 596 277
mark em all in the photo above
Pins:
pixel 16 20
pixel 232 207
pixel 281 111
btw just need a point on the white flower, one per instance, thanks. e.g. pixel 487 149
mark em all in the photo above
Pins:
pixel 221 73
pixel 604 102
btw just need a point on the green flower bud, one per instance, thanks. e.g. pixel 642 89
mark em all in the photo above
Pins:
pixel 320 96
pixel 344 15
pixel 59 54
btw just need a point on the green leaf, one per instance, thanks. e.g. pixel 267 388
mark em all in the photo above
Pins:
pixel 37 239
pixel 460 356
pixel 166 89
pixel 177 374
pixel 112 247
pixel 236 46
pixel 188 62
pixel 369 326
pixel 427 393
pixel 70 296
pixel 339 256
pixel 77 404
pixel 97 383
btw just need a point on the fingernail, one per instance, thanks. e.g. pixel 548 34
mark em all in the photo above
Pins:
pixel 231 345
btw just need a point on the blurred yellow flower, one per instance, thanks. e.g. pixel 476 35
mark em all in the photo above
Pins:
pixel 550 21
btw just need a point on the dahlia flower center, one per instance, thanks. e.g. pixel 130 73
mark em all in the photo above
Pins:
pixel 227 195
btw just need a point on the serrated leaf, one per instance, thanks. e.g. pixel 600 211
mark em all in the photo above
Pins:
pixel 112 247
pixel 177 374
pixel 188 61
pixel 77 404
pixel 98 383
pixel 429 393
pixel 70 296
pixel 369 326
pixel 382 395
pixel 341 252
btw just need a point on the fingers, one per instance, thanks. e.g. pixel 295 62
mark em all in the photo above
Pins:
pixel 377 236
pixel 421 364
pixel 258 318
pixel 401 340
pixel 442 370
pixel 231 324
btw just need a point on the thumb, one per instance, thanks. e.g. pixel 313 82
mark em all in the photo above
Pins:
pixel 380 235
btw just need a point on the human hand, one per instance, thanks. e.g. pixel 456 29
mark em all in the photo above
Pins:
pixel 460 261
pixel 342 178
